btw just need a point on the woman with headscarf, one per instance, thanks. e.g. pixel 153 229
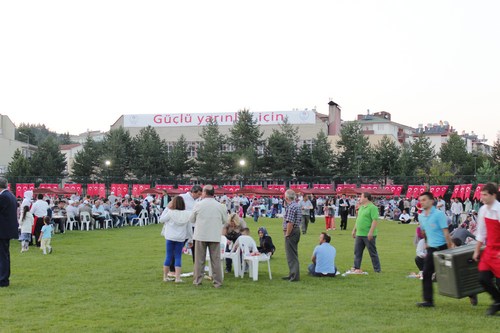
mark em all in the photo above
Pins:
pixel 266 242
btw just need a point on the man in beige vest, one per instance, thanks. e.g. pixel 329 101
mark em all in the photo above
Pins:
pixel 208 218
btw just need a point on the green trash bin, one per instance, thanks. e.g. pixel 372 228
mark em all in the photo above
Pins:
pixel 456 272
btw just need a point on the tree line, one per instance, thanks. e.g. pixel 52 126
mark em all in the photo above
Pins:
pixel 282 156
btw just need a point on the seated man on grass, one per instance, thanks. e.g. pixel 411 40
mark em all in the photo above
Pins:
pixel 323 258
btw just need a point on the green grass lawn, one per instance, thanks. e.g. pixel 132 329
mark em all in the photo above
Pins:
pixel 111 280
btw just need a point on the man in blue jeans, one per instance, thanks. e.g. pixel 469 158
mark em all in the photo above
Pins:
pixel 434 226
pixel 323 258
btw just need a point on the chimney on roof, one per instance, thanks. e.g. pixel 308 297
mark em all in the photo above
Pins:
pixel 334 118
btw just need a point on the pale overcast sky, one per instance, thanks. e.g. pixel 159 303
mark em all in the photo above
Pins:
pixel 78 65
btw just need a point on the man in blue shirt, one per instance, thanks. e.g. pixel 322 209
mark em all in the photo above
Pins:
pixel 434 226
pixel 323 258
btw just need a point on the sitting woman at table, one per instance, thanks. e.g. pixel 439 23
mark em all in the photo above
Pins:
pixel 266 242
pixel 232 230
pixel 138 209
pixel 176 230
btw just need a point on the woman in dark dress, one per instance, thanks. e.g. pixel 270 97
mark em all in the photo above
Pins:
pixel 266 242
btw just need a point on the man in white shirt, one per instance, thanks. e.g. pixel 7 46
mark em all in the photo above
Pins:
pixel 39 210
pixel 441 205
pixel 456 211
pixel 405 218
pixel 208 217
pixel 191 197
pixel 488 229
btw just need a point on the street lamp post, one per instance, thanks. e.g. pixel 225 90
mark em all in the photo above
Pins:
pixel 107 163
pixel 242 164
pixel 27 136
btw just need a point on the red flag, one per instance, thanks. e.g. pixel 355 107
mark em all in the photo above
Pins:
pixel 467 191
pixel 462 192
pixel 477 193
pixel 456 191
pixel 75 188
pixel 22 187
pixel 138 188
pixel 409 192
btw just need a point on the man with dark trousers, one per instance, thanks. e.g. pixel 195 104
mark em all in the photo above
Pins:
pixel 434 226
pixel 343 212
pixel 8 229
pixel 291 228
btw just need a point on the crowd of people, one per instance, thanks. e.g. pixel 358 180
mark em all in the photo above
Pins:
pixel 198 220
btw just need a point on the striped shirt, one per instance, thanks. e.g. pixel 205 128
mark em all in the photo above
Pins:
pixel 293 214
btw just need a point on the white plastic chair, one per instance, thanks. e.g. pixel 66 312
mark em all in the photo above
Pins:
pixel 142 218
pixel 223 243
pixel 85 220
pixel 108 221
pixel 235 256
pixel 70 222
pixel 247 244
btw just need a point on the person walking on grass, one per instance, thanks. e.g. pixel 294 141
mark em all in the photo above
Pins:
pixel 365 233
pixel 291 229
pixel 488 231
pixel 306 207
pixel 434 227
pixel 8 230
pixel 176 230
pixel 26 225
pixel 208 218
pixel 344 207
pixel 46 235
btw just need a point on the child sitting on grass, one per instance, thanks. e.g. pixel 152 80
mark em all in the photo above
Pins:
pixel 46 235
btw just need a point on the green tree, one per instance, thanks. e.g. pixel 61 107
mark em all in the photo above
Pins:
pixel 387 154
pixel 422 153
pixel 18 168
pixel 486 172
pixel 455 152
pixel 354 148
pixel 304 162
pixel 48 161
pixel 87 161
pixel 180 164
pixel 322 155
pixel 440 173
pixel 496 152
pixel 64 139
pixel 281 151
pixel 246 137
pixel 23 131
pixel 117 149
pixel 150 155
pixel 211 160
pixel 405 165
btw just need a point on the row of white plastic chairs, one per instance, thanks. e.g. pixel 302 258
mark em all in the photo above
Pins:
pixel 241 256
pixel 143 219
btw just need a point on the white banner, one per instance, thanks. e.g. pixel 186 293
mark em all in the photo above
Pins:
pixel 224 119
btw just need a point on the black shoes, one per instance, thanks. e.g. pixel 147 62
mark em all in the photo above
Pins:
pixel 493 309
pixel 285 278
pixel 473 300
pixel 425 305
